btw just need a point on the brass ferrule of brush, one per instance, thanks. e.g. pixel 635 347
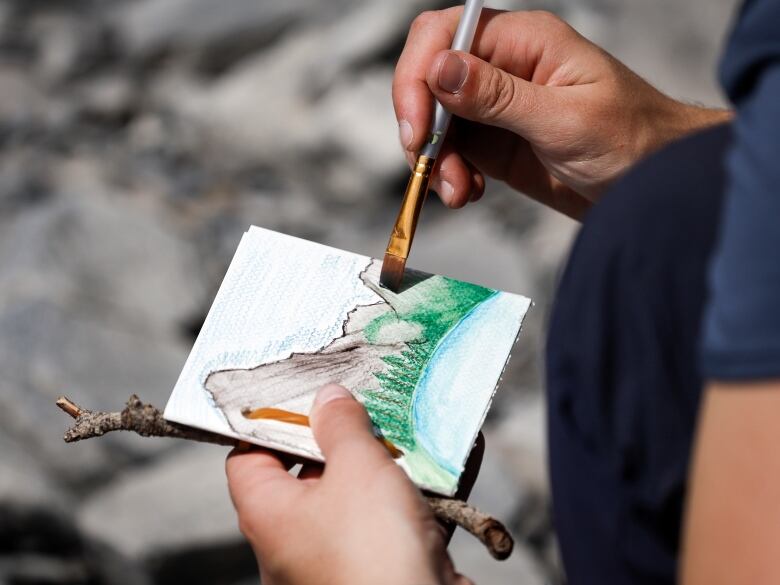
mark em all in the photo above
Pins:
pixel 414 197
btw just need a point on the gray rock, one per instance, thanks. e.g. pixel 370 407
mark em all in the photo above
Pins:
pixel 24 480
pixel 235 28
pixel 178 503
pixel 103 254
pixel 519 438
pixel 46 351
pixel 94 294
pixel 38 545
pixel 674 45
pixel 298 113
pixel 60 39
pixel 109 98
pixel 232 562
pixel 63 40
pixel 497 491
pixel 5 15
pixel 22 103
pixel 471 559
pixel 20 189
pixel 39 542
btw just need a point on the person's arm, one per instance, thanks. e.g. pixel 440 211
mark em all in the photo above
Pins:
pixel 732 532
pixel 540 107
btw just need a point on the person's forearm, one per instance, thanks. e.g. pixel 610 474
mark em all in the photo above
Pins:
pixel 732 526
pixel 675 119
pixel 694 117
pixel 701 117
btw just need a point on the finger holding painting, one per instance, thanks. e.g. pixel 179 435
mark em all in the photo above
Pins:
pixel 369 507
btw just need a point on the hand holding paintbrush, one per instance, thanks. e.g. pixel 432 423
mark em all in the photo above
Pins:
pixel 403 232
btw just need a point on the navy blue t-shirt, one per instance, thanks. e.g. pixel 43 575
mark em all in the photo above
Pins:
pixel 741 338
pixel 628 326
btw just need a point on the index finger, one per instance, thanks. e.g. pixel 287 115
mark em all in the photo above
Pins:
pixel 430 33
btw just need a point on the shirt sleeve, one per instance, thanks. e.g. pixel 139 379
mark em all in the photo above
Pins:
pixel 741 338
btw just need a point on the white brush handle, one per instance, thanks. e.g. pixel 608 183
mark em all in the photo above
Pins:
pixel 464 36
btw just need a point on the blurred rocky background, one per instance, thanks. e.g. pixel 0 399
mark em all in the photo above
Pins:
pixel 138 140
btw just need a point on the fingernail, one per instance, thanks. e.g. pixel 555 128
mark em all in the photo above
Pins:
pixel 446 191
pixel 452 73
pixel 331 392
pixel 406 133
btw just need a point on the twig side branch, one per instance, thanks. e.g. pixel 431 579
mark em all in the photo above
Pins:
pixel 487 529
pixel 147 421
pixel 143 419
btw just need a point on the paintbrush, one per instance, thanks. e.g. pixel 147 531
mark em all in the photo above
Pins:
pixel 403 231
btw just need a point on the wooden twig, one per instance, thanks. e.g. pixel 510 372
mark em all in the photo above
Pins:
pixel 147 420
pixel 487 529
pixel 143 419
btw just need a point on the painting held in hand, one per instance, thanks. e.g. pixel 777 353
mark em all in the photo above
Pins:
pixel 292 315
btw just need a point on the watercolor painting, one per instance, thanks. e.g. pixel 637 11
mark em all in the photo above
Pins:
pixel 292 315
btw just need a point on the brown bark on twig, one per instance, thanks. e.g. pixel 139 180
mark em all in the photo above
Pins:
pixel 143 419
pixel 147 420
pixel 487 529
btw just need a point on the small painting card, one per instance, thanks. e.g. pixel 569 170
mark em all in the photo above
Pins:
pixel 292 315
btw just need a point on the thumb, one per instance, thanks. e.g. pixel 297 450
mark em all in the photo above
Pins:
pixel 476 90
pixel 343 430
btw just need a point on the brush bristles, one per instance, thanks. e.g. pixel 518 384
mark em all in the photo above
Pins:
pixel 392 272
